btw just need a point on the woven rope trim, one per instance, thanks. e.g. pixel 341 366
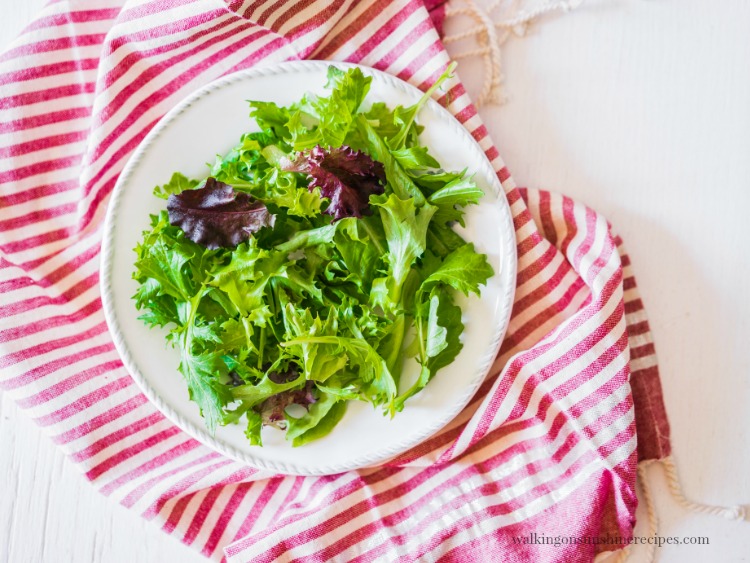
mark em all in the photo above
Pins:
pixel 492 35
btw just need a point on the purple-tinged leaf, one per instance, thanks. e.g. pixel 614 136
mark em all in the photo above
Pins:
pixel 215 216
pixel 345 176
pixel 272 409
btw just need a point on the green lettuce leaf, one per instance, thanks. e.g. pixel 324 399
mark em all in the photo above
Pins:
pixel 405 116
pixel 176 185
pixel 406 232
pixel 202 374
pixel 323 425
pixel 438 336
pixel 464 269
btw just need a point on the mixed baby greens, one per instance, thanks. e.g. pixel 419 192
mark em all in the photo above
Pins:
pixel 316 256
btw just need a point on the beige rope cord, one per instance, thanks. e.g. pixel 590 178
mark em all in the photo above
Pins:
pixel 491 34
pixel 735 512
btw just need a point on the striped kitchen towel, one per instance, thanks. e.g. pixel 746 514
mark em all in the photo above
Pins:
pixel 547 445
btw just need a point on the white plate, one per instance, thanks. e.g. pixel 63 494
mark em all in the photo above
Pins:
pixel 210 122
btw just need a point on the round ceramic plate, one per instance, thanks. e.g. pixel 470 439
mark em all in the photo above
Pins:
pixel 210 122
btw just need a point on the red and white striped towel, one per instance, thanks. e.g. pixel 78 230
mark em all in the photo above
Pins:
pixel 548 444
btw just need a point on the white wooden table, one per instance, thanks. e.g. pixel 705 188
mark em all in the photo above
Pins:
pixel 638 108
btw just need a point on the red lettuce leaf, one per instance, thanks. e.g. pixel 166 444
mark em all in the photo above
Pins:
pixel 216 216
pixel 345 176
pixel 272 409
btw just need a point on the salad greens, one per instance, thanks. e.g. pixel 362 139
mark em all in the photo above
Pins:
pixel 316 256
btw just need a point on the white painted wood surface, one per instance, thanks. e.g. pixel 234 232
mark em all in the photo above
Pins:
pixel 640 109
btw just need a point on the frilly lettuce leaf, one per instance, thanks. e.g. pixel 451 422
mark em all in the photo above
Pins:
pixel 346 177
